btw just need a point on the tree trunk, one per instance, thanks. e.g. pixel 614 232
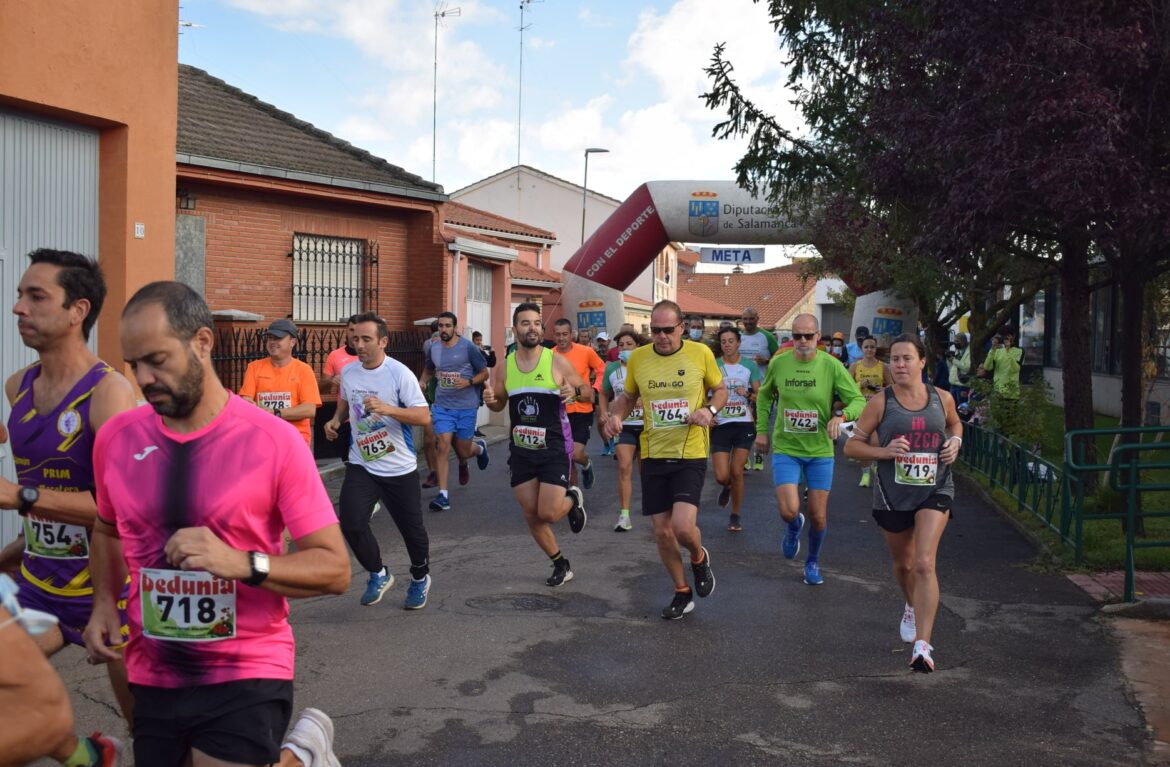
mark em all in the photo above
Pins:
pixel 1075 331
pixel 1132 281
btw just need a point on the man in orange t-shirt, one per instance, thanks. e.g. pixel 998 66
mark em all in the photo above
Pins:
pixel 584 360
pixel 281 384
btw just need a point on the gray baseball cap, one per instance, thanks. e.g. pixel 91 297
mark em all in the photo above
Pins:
pixel 282 328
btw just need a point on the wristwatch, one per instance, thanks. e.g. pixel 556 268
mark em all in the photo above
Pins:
pixel 839 413
pixel 27 497
pixel 259 562
pixel 577 389
pixel 714 412
pixel 277 412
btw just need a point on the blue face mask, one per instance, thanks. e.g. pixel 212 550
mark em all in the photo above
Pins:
pixel 696 334
pixel 624 355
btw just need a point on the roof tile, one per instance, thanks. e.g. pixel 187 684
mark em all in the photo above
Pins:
pixel 222 122
pixel 771 292
pixel 458 213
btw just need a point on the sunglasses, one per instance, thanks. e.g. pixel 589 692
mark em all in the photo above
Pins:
pixel 663 330
pixel 803 336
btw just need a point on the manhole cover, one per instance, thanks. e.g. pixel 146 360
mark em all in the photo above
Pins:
pixel 530 603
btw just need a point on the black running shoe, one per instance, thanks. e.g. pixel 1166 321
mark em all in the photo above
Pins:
pixel 724 496
pixel 577 517
pixel 704 578
pixel 682 604
pixel 561 573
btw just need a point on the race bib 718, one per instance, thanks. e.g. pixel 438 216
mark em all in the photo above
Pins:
pixel 187 606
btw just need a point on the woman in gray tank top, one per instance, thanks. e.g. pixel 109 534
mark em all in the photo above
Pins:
pixel 914 433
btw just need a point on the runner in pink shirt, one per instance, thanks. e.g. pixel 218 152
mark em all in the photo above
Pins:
pixel 202 545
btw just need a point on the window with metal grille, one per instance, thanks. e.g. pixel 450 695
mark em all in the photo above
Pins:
pixel 333 277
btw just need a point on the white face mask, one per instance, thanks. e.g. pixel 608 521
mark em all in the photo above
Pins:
pixel 696 334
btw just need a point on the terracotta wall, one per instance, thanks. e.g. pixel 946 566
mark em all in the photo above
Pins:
pixel 111 65
pixel 249 236
pixel 424 289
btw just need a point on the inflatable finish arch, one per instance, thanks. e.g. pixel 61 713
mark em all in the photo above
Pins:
pixel 707 212
pixel 658 212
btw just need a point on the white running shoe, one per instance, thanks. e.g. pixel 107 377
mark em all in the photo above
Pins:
pixel 920 659
pixel 623 524
pixel 907 628
pixel 311 739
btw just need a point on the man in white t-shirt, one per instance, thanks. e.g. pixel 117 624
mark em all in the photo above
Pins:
pixel 382 399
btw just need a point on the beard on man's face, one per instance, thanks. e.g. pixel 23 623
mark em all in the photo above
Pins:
pixel 185 397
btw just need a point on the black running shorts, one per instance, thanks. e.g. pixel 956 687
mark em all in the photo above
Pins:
pixel 901 521
pixel 733 436
pixel 630 435
pixel 242 721
pixel 667 481
pixel 546 466
pixel 581 424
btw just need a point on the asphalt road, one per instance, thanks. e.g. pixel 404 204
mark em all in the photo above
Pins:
pixel 499 669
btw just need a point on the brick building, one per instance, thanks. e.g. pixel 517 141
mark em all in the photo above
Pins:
pixel 276 218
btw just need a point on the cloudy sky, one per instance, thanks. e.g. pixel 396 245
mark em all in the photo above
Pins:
pixel 625 75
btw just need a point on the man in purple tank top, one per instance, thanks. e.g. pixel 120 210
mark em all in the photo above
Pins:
pixel 57 404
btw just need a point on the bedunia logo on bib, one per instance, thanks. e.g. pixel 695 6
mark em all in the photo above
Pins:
pixel 182 606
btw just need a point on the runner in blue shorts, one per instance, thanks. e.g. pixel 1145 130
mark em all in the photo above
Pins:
pixel 807 382
pixel 459 367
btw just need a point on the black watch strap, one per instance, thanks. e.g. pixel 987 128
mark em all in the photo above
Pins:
pixel 28 497
pixel 258 575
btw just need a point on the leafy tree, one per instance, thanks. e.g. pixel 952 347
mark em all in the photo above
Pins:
pixel 973 144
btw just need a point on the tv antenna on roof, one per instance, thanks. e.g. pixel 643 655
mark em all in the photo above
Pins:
pixel 442 12
pixel 188 24
pixel 520 97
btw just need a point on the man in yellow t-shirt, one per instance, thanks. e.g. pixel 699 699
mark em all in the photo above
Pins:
pixel 673 378
pixel 282 384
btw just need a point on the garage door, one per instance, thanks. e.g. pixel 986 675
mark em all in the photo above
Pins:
pixel 48 199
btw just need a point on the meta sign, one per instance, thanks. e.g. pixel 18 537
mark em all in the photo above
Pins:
pixel 731 255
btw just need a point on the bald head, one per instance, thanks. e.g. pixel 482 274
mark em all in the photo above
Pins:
pixel 806 322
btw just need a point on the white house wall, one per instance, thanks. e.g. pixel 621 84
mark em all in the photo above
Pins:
pixel 550 205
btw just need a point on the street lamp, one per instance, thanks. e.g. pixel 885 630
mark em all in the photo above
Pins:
pixel 585 187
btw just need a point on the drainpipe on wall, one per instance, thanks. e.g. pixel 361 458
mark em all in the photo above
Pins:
pixel 455 254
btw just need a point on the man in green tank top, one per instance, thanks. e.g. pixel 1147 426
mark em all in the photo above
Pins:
pixel 534 387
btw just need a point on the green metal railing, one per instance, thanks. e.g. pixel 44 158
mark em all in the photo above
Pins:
pixel 1036 484
pixel 1055 494
pixel 1125 468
